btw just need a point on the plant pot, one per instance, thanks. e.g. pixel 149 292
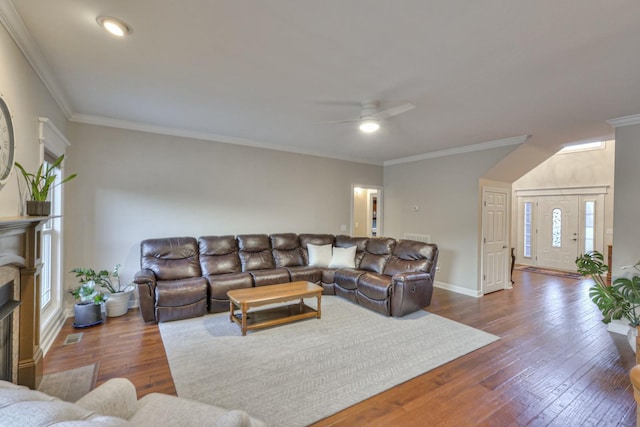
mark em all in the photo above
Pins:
pixel 87 314
pixel 36 208
pixel 118 303
pixel 632 334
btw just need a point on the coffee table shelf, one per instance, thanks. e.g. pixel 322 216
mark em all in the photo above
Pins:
pixel 245 299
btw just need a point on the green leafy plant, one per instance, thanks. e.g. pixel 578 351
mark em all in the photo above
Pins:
pixel 101 278
pixel 40 183
pixel 621 299
pixel 87 293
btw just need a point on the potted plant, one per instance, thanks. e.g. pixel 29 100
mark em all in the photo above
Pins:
pixel 39 185
pixel 618 301
pixel 88 311
pixel 118 298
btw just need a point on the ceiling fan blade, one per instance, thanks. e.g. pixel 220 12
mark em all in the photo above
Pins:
pixel 394 111
pixel 331 122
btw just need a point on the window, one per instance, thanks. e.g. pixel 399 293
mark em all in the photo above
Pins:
pixel 53 144
pixel 49 239
pixel 556 228
pixel 589 225
pixel 599 145
pixel 527 229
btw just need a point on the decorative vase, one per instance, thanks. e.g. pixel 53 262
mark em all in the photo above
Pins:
pixel 632 334
pixel 118 304
pixel 87 314
pixel 37 208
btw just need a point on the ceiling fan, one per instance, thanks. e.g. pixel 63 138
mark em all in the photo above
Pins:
pixel 370 116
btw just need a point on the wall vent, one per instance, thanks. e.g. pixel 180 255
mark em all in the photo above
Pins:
pixel 425 238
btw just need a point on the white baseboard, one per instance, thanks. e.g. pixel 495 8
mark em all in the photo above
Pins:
pixel 458 289
pixel 49 334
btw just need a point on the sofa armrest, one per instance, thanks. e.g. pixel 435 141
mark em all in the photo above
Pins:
pixel 144 276
pixel 146 281
pixel 116 397
pixel 410 292
pixel 409 277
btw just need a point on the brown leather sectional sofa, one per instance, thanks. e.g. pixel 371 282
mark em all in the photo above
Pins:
pixel 182 277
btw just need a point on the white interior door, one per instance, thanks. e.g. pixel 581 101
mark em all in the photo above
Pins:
pixel 495 240
pixel 558 227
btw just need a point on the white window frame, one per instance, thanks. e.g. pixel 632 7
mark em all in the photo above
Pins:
pixel 52 314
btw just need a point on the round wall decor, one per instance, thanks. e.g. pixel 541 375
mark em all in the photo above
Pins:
pixel 7 142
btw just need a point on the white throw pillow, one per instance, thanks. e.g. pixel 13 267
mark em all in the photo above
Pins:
pixel 319 255
pixel 343 258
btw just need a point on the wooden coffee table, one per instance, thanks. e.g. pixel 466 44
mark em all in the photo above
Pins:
pixel 247 298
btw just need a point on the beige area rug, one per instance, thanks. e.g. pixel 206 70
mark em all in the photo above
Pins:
pixel 72 384
pixel 299 373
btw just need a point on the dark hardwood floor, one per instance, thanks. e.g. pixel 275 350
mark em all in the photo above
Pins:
pixel 555 363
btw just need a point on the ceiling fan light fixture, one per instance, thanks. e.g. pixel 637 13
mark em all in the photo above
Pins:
pixel 369 125
pixel 114 26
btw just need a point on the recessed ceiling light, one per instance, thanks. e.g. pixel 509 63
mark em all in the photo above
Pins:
pixel 114 26
pixel 369 125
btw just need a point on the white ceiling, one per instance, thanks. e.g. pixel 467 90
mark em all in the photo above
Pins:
pixel 263 72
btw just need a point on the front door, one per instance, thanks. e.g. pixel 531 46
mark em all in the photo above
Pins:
pixel 558 232
pixel 495 243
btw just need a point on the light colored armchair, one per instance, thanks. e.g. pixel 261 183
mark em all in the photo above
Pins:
pixel 114 403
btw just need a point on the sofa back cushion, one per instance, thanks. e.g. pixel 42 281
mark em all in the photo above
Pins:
pixel 359 242
pixel 255 252
pixel 411 256
pixel 314 239
pixel 286 250
pixel 171 258
pixel 377 253
pixel 219 255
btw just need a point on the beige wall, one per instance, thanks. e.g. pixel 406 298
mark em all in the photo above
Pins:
pixel 626 223
pixel 28 99
pixel 572 169
pixel 446 190
pixel 135 185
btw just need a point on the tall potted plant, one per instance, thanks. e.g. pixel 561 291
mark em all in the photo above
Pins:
pixel 39 184
pixel 117 303
pixel 618 301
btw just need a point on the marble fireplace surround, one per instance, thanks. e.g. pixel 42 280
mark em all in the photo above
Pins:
pixel 20 263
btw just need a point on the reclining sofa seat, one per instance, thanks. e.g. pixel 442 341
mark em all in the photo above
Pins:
pixel 222 269
pixel 400 277
pixel 256 259
pixel 288 254
pixel 412 268
pixel 170 281
pixel 373 287
pixel 346 279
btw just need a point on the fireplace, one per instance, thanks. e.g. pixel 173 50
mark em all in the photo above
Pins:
pixel 20 352
pixel 9 336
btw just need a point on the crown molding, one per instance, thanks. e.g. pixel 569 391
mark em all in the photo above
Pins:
pixel 205 136
pixel 625 121
pixel 460 150
pixel 14 25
